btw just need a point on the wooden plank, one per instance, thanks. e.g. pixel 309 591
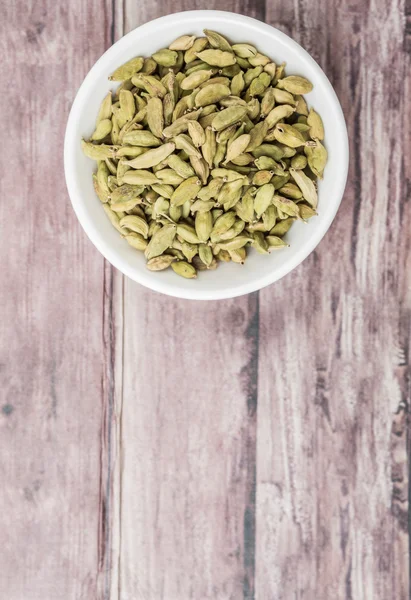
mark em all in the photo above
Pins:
pixel 332 487
pixel 187 431
pixel 188 448
pixel 52 355
pixel 129 15
pixel 110 449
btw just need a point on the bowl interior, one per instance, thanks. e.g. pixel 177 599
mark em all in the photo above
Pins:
pixel 229 279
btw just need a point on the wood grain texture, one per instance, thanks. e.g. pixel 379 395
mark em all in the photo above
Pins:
pixel 332 476
pixel 188 450
pixel 51 328
pixel 188 431
pixel 198 466
pixel 158 449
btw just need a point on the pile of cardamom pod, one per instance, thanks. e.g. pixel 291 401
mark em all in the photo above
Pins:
pixel 206 149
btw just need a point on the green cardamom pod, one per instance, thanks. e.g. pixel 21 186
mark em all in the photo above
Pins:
pixel 184 269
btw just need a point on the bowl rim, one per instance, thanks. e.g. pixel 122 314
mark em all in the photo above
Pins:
pixel 91 230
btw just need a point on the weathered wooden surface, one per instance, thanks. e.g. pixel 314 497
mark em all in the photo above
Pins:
pixel 53 354
pixel 160 449
pixel 332 508
pixel 188 454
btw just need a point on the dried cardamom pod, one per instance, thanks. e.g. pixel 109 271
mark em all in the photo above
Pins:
pixel 141 138
pixel 282 227
pixel 155 116
pixel 288 135
pixel 209 147
pixel 239 255
pixel 237 84
pixel 140 177
pixel 165 57
pixel 169 177
pixel 295 84
pixel 184 42
pixel 187 233
pixel 180 166
pixel 216 40
pixel 287 206
pixel 306 186
pixel 152 157
pixel 217 58
pixel 316 125
pixel 184 142
pixel 160 241
pixel 317 158
pixel 228 117
pixel 212 94
pixel 197 133
pixel 187 190
pixel 238 242
pixel 159 263
pixel 98 152
pixel 206 255
pixel 184 269
pixel 263 199
pixel 275 242
pixel 136 241
pixel 198 45
pixel 203 225
pixel 299 161
pixel 244 50
pixel 127 70
pixel 291 191
pixel 194 80
pixel 201 168
pixel 135 223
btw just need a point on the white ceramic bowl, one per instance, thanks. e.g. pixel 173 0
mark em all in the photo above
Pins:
pixel 228 280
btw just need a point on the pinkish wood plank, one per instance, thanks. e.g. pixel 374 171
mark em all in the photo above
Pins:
pixel 129 15
pixel 188 448
pixel 187 496
pixel 332 477
pixel 53 354
pixel 110 448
